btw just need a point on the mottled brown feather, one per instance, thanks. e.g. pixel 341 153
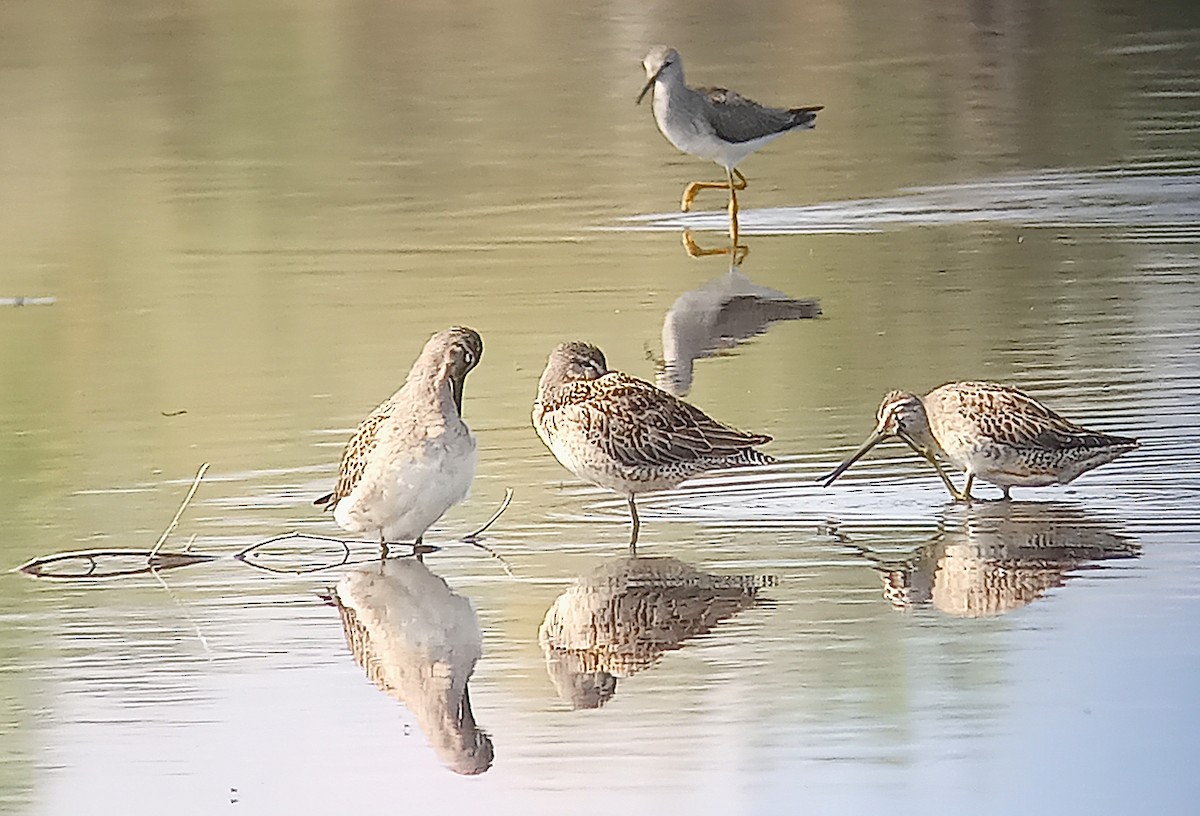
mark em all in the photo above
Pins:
pixel 357 453
pixel 1012 417
pixel 640 425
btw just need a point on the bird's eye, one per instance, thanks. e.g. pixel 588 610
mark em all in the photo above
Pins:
pixel 468 356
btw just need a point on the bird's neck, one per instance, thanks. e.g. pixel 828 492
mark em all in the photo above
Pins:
pixel 432 386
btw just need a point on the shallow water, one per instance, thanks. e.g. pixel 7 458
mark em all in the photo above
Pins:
pixel 233 226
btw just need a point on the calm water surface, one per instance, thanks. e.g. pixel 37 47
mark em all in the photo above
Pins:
pixel 250 216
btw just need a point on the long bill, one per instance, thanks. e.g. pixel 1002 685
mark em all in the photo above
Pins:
pixel 649 83
pixel 874 439
pixel 465 715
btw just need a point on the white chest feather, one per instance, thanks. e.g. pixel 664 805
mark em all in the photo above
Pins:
pixel 405 489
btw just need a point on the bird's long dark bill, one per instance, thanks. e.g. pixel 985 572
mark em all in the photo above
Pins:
pixel 466 715
pixel 456 391
pixel 874 439
pixel 649 83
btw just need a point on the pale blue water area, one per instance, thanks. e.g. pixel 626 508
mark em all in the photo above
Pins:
pixel 226 230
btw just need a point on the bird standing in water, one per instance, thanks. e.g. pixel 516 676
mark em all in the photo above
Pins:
pixel 994 432
pixel 626 435
pixel 413 457
pixel 715 124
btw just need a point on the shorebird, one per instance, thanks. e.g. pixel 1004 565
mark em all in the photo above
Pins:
pixel 419 641
pixel 994 432
pixel 624 615
pixel 413 457
pixel 715 124
pixel 626 435
pixel 990 558
pixel 719 315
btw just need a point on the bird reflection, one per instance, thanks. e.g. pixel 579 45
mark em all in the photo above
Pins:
pixel 995 557
pixel 719 315
pixel 620 618
pixel 418 641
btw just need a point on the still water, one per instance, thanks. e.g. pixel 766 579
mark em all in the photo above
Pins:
pixel 240 221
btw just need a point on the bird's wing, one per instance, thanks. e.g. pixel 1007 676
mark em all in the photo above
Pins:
pixel 641 425
pixel 1011 416
pixel 734 118
pixel 357 453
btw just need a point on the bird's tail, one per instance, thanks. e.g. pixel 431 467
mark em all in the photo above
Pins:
pixel 325 501
pixel 804 118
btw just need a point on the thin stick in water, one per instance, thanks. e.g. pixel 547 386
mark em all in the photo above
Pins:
pixel 473 538
pixel 179 513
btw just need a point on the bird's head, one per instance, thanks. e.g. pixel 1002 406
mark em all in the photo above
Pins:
pixel 572 362
pixel 449 356
pixel 658 61
pixel 901 414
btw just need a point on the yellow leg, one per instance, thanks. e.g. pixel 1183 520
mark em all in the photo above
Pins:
pixel 738 251
pixel 689 194
pixel 733 207
pixel 966 494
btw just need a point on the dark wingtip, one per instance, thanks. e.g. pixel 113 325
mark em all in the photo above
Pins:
pixel 766 458
pixel 802 117
pixel 326 499
pixel 808 308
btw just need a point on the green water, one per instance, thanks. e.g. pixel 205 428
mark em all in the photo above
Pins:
pixel 250 217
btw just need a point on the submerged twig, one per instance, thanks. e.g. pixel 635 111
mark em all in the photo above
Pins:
pixel 85 565
pixel 473 537
pixel 92 571
pixel 470 538
pixel 249 552
pixel 162 539
pixel 153 560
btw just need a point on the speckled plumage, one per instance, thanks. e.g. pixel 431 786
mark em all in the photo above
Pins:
pixel 992 432
pixel 413 457
pixel 620 618
pixel 626 435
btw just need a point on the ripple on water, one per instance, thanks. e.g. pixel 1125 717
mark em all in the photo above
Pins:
pixel 1150 197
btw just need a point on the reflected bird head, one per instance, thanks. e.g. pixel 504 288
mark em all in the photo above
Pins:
pixel 901 414
pixel 472 752
pixel 577 679
pixel 659 60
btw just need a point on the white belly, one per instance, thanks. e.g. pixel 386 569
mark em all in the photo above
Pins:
pixel 400 497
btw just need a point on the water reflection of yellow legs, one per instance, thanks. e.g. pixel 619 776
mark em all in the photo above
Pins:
pixel 738 251
pixel 689 194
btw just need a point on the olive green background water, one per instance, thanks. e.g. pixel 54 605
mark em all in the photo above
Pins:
pixel 255 213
